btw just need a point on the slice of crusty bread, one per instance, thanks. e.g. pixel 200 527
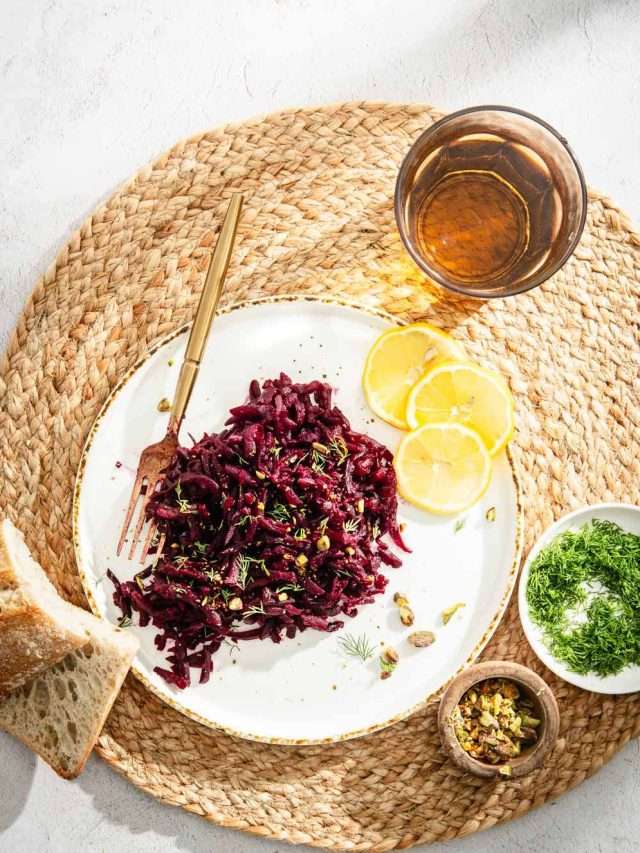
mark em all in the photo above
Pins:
pixel 37 627
pixel 61 713
pixel 79 662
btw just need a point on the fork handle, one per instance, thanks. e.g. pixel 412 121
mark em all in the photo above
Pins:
pixel 206 311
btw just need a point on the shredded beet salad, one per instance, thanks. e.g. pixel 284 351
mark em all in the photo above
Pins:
pixel 272 526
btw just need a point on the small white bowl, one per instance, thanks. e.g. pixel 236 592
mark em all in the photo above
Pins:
pixel 628 517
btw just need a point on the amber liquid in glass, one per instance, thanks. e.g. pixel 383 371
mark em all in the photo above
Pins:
pixel 485 208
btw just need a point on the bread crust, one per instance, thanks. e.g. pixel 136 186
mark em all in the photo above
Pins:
pixel 61 668
pixel 31 638
pixel 30 643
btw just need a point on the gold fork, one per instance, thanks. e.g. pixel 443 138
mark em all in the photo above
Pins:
pixel 155 458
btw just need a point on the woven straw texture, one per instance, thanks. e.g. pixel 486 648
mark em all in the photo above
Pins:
pixel 319 219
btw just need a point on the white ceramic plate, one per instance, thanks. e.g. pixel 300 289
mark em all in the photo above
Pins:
pixel 303 690
pixel 628 517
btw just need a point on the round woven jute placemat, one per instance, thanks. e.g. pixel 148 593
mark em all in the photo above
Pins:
pixel 319 219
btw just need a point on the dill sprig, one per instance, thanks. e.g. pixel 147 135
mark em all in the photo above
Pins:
pixel 339 447
pixel 243 565
pixel 357 647
pixel 593 574
pixel 279 512
pixel 318 461
pixel 183 503
pixel 289 587
pixel 351 525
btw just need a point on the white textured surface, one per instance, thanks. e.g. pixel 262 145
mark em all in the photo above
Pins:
pixel 89 91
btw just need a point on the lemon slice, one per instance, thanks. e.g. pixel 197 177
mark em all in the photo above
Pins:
pixel 443 468
pixel 396 361
pixel 464 393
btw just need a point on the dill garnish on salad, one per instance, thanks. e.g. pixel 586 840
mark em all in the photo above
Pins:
pixel 280 523
pixel 583 592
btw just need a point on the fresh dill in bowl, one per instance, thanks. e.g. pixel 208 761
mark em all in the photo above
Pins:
pixel 583 591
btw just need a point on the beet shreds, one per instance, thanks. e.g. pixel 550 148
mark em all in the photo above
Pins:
pixel 272 526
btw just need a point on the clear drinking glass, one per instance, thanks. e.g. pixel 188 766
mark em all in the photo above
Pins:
pixel 490 201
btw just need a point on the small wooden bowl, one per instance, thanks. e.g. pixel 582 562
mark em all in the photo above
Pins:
pixel 532 686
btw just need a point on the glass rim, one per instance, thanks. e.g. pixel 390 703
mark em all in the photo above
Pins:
pixel 474 292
